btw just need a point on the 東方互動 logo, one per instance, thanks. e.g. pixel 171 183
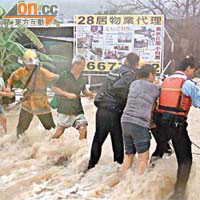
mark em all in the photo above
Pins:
pixel 32 14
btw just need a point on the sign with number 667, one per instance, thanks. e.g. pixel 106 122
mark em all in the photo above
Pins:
pixel 100 67
pixel 93 67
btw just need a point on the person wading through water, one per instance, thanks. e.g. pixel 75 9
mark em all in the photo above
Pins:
pixel 110 102
pixel 34 101
pixel 178 93
pixel 3 93
pixel 68 90
pixel 136 118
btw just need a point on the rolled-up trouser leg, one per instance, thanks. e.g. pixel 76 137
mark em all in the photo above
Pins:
pixel 24 121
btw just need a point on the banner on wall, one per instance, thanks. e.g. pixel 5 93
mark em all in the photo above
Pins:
pixel 104 40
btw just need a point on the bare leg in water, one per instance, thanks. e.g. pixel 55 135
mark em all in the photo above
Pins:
pixel 58 133
pixel 127 163
pixel 3 121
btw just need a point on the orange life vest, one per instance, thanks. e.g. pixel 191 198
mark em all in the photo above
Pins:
pixel 172 99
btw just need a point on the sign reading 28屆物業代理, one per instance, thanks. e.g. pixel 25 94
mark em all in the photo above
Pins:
pixel 106 39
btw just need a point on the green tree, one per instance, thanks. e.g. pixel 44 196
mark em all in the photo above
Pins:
pixel 11 49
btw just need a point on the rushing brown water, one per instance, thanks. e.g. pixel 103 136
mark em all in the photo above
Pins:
pixel 36 167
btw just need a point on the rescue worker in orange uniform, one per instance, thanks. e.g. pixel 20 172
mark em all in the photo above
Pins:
pixel 35 99
pixel 178 93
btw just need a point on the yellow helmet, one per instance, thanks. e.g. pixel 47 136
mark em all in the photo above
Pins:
pixel 141 62
pixel 30 57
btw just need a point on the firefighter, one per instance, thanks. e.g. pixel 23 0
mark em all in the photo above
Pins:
pixel 34 101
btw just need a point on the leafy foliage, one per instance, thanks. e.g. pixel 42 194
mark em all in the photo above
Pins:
pixel 11 49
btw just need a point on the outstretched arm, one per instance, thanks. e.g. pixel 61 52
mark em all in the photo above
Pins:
pixel 88 93
pixel 65 94
pixel 7 94
pixel 121 87
pixel 49 76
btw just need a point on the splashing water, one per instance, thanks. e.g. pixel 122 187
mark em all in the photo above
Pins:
pixel 36 167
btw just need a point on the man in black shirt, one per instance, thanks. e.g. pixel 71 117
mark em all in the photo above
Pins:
pixel 68 88
pixel 110 102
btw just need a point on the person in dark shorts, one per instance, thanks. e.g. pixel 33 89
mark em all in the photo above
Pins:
pixel 136 118
pixel 110 102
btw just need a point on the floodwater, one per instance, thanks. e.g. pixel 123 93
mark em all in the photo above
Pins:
pixel 36 167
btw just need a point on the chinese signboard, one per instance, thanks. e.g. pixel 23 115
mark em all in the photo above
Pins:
pixel 106 40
